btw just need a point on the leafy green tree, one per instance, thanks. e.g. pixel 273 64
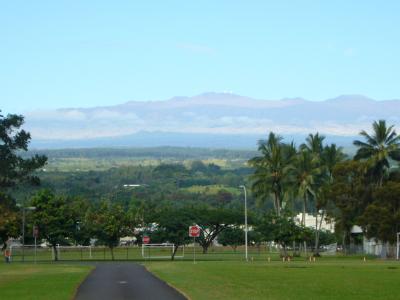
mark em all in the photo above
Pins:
pixel 9 220
pixel 350 194
pixel 272 169
pixel 174 173
pixel 223 198
pixel 381 218
pixel 108 223
pixel 173 226
pixel 81 234
pixel 255 238
pixel 214 221
pixel 280 229
pixel 327 238
pixel 14 169
pixel 54 217
pixel 232 236
pixel 198 166
pixel 379 146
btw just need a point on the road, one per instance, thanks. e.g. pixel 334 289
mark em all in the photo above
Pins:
pixel 123 281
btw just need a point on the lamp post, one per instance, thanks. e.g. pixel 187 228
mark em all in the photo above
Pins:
pixel 31 208
pixel 245 219
pixel 398 241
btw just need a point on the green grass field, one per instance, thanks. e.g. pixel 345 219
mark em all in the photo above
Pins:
pixel 331 278
pixel 40 281
pixel 335 277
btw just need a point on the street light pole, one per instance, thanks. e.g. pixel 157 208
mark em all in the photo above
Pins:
pixel 245 220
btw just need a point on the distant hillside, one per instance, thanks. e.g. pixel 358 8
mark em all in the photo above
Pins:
pixel 90 159
pixel 217 120
pixel 181 153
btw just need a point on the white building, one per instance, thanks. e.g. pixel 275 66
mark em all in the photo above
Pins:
pixel 310 222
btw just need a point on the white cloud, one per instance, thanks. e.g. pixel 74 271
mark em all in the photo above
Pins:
pixel 202 116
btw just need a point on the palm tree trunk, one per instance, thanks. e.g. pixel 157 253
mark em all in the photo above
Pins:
pixel 278 205
pixel 275 207
pixel 381 180
pixel 303 221
pixel 303 218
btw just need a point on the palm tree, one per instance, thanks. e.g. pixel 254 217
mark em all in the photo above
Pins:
pixel 314 146
pixel 272 169
pixel 311 166
pixel 305 172
pixel 379 146
pixel 330 156
pixel 314 143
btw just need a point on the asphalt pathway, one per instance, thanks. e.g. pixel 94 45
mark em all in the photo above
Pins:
pixel 123 281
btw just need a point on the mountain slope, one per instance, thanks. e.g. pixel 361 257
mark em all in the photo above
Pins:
pixel 212 114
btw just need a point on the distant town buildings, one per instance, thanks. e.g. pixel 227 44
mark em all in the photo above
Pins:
pixel 310 222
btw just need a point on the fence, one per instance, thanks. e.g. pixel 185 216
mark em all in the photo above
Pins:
pixel 88 253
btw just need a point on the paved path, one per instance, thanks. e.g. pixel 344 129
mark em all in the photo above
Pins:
pixel 123 281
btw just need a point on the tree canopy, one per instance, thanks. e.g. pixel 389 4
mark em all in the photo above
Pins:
pixel 14 170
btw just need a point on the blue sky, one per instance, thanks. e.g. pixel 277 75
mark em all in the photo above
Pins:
pixel 92 53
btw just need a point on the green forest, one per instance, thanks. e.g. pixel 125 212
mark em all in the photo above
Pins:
pixel 79 194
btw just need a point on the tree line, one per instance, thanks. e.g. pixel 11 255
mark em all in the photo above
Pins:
pixel 285 179
pixel 363 190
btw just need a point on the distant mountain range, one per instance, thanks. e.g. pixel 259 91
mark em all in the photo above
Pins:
pixel 219 120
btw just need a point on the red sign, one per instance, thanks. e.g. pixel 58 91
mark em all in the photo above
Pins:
pixel 194 231
pixel 146 239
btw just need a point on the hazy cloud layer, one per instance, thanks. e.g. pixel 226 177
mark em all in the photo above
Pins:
pixel 214 113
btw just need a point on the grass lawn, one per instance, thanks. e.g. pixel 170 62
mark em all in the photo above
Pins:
pixel 40 281
pixel 325 279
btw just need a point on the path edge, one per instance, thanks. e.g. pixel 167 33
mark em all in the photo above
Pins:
pixel 170 285
pixel 80 283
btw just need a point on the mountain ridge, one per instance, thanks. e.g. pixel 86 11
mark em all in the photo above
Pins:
pixel 214 114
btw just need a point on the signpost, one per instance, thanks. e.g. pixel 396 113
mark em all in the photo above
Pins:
pixel 35 235
pixel 194 231
pixel 146 239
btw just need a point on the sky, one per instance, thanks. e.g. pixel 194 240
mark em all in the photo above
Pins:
pixel 96 53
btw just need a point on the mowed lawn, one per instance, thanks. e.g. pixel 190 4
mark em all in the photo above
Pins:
pixel 40 281
pixel 330 279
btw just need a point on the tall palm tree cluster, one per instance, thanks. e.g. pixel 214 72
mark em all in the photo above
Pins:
pixel 378 149
pixel 288 174
pixel 294 177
